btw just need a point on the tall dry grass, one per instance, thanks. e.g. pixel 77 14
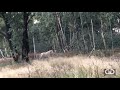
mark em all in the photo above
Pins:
pixel 62 67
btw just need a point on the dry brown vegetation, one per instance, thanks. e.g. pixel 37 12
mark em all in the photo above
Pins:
pixel 60 67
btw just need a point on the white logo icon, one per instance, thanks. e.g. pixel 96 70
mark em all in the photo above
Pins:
pixel 109 71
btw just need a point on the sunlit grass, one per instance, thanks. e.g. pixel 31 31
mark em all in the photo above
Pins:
pixel 62 67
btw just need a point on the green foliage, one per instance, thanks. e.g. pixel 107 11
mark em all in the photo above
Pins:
pixel 42 27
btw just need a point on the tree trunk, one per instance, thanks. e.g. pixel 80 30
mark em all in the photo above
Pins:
pixel 60 42
pixel 102 34
pixel 25 46
pixel 34 47
pixel 70 37
pixel 54 45
pixel 85 46
pixel 5 49
pixel 1 53
pixel 93 39
pixel 90 37
pixel 111 38
pixel 63 39
pixel 93 35
pixel 60 34
pixel 57 32
pixel 8 33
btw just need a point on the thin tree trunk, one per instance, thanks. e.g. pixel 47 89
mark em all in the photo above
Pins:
pixel 60 42
pixel 72 40
pixel 102 34
pixel 1 53
pixel 54 45
pixel 93 38
pixel 4 44
pixel 34 47
pixel 57 32
pixel 93 35
pixel 70 37
pixel 111 37
pixel 85 46
pixel 91 45
pixel 73 36
pixel 78 44
pixel 4 48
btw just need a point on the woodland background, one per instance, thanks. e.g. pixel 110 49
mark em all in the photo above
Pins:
pixel 78 32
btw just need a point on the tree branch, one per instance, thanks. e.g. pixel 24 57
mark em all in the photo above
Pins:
pixel 30 18
pixel 3 33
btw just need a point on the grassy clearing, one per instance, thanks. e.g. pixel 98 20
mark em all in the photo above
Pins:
pixel 62 67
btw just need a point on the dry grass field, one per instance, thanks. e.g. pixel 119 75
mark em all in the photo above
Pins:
pixel 61 67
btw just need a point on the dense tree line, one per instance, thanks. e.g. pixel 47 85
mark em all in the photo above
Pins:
pixel 80 32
